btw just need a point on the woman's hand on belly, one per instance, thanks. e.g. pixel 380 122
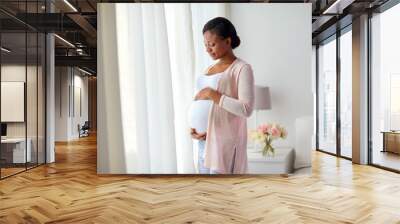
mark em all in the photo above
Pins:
pixel 208 94
pixel 198 136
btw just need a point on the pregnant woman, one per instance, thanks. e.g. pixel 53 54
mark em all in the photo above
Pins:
pixel 224 99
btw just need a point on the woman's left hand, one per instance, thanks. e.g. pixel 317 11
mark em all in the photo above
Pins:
pixel 208 94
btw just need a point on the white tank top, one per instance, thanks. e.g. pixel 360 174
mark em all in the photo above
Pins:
pixel 198 112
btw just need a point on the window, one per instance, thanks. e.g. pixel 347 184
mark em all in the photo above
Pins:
pixel 394 101
pixel 346 94
pixel 385 88
pixel 327 97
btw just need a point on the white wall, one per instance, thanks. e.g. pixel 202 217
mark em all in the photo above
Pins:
pixel 61 103
pixel 68 81
pixel 276 41
pixel 15 73
pixel 81 81
pixel 12 73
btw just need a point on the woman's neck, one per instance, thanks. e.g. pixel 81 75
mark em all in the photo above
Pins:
pixel 228 59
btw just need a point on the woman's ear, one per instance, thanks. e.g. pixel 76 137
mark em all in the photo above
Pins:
pixel 228 41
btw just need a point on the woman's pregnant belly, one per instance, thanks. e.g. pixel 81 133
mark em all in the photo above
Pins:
pixel 198 115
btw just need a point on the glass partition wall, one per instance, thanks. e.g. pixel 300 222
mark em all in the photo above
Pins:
pixel 22 77
pixel 13 88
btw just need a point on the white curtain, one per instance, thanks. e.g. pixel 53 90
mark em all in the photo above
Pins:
pixel 159 51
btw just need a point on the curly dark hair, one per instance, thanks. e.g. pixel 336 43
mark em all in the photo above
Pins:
pixel 223 28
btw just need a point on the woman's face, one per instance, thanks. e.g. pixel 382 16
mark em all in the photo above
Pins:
pixel 216 46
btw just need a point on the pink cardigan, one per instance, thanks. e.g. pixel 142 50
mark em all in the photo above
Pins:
pixel 226 142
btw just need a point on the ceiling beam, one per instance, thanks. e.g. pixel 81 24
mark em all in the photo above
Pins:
pixel 337 6
pixel 84 24
pixel 321 20
pixel 85 61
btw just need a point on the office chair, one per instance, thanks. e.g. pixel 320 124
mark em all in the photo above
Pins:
pixel 84 130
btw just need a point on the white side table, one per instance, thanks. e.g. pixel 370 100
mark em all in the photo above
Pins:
pixel 280 163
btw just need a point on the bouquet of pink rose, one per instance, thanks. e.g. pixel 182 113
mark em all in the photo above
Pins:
pixel 265 134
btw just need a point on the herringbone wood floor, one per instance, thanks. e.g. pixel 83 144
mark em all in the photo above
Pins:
pixel 70 191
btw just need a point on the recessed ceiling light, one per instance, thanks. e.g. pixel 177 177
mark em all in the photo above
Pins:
pixel 338 6
pixel 84 71
pixel 64 40
pixel 70 5
pixel 5 50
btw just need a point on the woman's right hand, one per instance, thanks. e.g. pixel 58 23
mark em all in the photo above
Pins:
pixel 196 135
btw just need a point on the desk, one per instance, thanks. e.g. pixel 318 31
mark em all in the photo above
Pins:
pixel 391 141
pixel 15 148
pixel 281 163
